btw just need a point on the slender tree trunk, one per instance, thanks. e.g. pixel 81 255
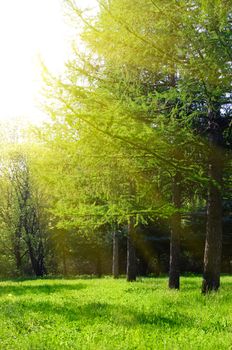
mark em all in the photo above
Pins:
pixel 115 265
pixel 213 243
pixel 174 264
pixel 37 261
pixel 32 258
pixel 17 246
pixel 131 257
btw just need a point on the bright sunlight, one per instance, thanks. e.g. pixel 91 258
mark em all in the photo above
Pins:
pixel 30 31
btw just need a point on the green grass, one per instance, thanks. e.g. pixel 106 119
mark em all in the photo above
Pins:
pixel 113 314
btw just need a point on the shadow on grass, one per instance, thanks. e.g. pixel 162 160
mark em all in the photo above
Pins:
pixel 98 312
pixel 18 290
pixel 189 284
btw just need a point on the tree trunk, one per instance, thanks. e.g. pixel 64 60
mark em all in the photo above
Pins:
pixel 37 263
pixel 213 243
pixel 174 263
pixel 131 258
pixel 115 265
pixel 17 246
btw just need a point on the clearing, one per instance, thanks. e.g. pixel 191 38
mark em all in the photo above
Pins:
pixel 114 314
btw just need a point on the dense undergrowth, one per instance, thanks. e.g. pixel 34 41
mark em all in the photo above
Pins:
pixel 113 314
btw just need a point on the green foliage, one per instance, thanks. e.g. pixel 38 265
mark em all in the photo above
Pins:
pixel 22 211
pixel 109 314
pixel 130 116
pixel 130 112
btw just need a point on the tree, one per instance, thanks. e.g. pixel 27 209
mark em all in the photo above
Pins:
pixel 200 55
pixel 147 84
pixel 22 214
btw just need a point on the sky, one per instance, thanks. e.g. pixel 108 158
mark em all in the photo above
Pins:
pixel 30 31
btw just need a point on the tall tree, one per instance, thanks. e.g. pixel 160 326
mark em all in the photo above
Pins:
pixel 129 106
pixel 23 215
pixel 201 51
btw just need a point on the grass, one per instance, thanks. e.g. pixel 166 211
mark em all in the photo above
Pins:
pixel 113 314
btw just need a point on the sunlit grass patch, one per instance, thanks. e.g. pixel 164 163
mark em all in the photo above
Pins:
pixel 114 314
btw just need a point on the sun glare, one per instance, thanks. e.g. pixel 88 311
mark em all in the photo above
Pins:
pixel 30 30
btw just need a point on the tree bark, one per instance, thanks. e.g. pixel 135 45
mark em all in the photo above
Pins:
pixel 115 265
pixel 131 257
pixel 213 243
pixel 174 263
pixel 36 256
pixel 16 242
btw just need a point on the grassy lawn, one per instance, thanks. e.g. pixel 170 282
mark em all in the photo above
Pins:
pixel 114 314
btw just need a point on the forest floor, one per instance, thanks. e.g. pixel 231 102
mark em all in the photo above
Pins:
pixel 114 314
